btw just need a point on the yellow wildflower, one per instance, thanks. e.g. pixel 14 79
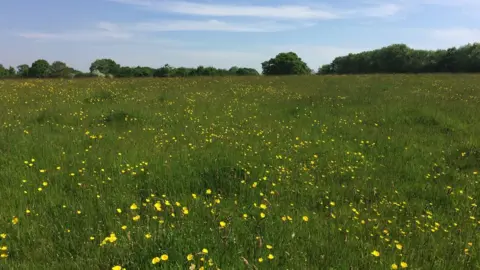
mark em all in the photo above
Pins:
pixel 155 260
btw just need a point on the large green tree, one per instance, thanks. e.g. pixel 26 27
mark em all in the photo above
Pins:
pixel 39 69
pixel 105 66
pixel 60 69
pixel 23 70
pixel 286 63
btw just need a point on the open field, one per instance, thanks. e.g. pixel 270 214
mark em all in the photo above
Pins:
pixel 341 172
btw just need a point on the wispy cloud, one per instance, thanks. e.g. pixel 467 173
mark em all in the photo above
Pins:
pixel 211 25
pixel 286 12
pixel 102 31
pixel 133 32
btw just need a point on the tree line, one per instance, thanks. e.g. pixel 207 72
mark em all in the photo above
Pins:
pixel 399 58
pixel 109 68
pixel 396 58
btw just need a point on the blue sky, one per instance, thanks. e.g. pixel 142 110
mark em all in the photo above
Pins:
pixel 224 33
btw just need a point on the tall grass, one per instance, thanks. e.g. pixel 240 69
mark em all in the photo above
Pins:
pixel 341 172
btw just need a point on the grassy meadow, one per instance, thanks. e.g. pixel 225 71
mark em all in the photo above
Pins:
pixel 315 172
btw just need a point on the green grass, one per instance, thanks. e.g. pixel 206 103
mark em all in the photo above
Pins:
pixel 372 161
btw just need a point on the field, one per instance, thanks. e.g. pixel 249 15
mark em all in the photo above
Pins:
pixel 333 172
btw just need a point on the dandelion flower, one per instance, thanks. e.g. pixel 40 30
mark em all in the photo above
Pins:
pixel 205 251
pixel 112 238
pixel 403 265
pixel 155 260
pixel 136 218
pixel 223 224
pixel 305 218
pixel 15 220
pixel 271 257
pixel 190 257
pixel 399 246
pixel 394 266
pixel 208 192
pixel 148 236
pixel 269 247
pixel 164 257
pixel 375 253
pixel 133 206
pixel 117 267
pixel 262 215
pixel 260 260
pixel 4 248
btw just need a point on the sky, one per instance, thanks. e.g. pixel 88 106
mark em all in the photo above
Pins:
pixel 225 33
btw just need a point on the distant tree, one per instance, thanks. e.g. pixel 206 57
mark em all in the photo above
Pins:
pixel 182 72
pixel 233 70
pixel 39 69
pixel 142 72
pixel 325 69
pixel 3 71
pixel 125 72
pixel 285 64
pixel 165 71
pixel 11 71
pixel 23 70
pixel 59 69
pixel 246 72
pixel 105 66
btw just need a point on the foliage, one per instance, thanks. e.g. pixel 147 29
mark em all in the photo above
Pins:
pixel 59 69
pixel 39 69
pixel 399 58
pixel 23 70
pixel 285 64
pixel 105 66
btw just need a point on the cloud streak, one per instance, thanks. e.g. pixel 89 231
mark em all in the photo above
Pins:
pixel 284 12
pixel 133 31
pixel 103 31
pixel 211 25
